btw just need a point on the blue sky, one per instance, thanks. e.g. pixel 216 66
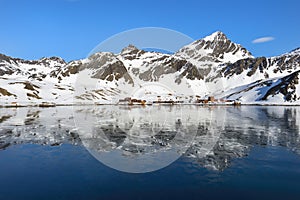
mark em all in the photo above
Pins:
pixel 72 28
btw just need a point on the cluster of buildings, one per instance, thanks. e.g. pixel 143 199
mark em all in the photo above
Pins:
pixel 131 101
pixel 211 100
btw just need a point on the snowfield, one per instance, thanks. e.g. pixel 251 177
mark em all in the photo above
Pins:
pixel 210 67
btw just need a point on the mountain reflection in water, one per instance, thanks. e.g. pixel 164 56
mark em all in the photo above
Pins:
pixel 209 136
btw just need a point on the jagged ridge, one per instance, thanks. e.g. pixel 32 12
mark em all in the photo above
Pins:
pixel 213 65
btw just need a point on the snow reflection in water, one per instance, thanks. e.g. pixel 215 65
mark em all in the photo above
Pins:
pixel 137 139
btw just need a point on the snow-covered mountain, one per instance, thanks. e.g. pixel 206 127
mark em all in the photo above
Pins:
pixel 212 51
pixel 261 80
pixel 212 66
pixel 281 90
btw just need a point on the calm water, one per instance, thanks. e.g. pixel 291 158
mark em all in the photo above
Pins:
pixel 158 152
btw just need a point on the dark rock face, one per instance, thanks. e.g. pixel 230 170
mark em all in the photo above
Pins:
pixel 30 86
pixel 4 58
pixel 269 88
pixel 114 71
pixel 11 65
pixel 286 86
pixel 44 61
pixel 219 45
pixel 3 65
pixel 167 65
pixel 253 64
pixel 6 71
pixel 159 65
pixel 286 62
pixel 190 72
pixel 4 92
pixel 131 52
pixel 72 69
pixel 107 67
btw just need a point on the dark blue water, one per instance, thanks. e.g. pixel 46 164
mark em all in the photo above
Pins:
pixel 261 163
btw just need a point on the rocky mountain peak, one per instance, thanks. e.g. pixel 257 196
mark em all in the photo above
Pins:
pixel 4 58
pixel 53 58
pixel 220 45
pixel 211 61
pixel 215 48
pixel 216 36
pixel 297 50
pixel 130 49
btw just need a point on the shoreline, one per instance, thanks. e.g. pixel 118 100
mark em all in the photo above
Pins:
pixel 146 105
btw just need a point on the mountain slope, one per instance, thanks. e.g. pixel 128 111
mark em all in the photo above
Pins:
pixel 212 66
pixel 212 50
pixel 251 70
pixel 272 91
pixel 29 81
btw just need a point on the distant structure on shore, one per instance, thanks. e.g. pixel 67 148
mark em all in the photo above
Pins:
pixel 211 100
